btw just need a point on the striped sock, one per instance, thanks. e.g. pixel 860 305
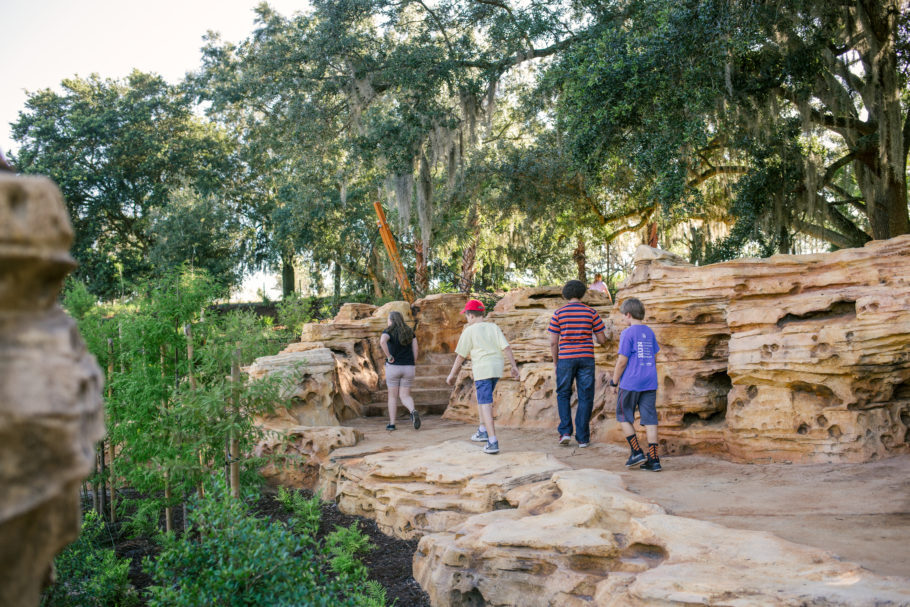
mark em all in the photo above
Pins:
pixel 633 443
pixel 652 452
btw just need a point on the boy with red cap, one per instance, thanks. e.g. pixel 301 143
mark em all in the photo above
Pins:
pixel 484 343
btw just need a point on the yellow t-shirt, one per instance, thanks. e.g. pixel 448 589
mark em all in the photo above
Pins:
pixel 483 343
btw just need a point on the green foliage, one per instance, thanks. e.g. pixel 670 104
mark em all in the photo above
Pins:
pixel 142 522
pixel 231 557
pixel 167 430
pixel 90 574
pixel 77 300
pixel 307 512
pixel 295 311
pixel 118 149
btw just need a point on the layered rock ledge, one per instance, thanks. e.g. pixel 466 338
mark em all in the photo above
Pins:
pixel 802 358
pixel 580 539
pixel 524 528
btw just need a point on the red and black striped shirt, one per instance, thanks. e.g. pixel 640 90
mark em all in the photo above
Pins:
pixel 576 324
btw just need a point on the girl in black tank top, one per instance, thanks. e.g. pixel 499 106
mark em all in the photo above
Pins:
pixel 399 344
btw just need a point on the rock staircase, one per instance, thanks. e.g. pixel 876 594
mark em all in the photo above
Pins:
pixel 429 390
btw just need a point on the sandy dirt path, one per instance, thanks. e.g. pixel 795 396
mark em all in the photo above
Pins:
pixel 860 512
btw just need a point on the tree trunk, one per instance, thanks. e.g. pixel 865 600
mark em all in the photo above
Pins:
pixel 235 445
pixel 421 276
pixel 783 242
pixel 580 258
pixel 468 259
pixel 469 255
pixel 374 269
pixel 110 376
pixel 287 274
pixel 168 510
pixel 881 167
pixel 336 283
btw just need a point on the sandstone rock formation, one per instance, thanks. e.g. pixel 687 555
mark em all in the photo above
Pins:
pixel 336 371
pixel 798 358
pixel 410 493
pixel 791 358
pixel 296 452
pixel 50 390
pixel 523 316
pixel 579 538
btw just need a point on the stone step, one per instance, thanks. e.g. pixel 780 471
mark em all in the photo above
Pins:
pixel 381 409
pixel 426 368
pixel 421 396
pixel 438 358
pixel 424 381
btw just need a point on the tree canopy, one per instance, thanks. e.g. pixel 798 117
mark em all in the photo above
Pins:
pixel 519 138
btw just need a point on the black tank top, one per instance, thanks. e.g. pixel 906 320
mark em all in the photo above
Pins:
pixel 403 355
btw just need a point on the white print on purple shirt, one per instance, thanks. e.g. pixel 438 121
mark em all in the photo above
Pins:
pixel 645 353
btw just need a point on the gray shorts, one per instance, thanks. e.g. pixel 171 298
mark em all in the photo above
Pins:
pixel 399 375
pixel 645 402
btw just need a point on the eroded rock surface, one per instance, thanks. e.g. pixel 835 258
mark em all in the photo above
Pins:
pixel 580 539
pixel 337 370
pixel 410 493
pixel 791 358
pixel 51 410
pixel 296 452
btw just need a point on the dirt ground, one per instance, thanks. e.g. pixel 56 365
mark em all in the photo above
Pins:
pixel 860 512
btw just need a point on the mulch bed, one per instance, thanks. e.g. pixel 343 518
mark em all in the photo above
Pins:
pixel 389 563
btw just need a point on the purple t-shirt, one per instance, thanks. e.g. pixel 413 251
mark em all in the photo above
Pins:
pixel 640 346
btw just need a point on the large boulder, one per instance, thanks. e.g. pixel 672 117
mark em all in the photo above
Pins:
pixel 579 538
pixel 51 411
pixel 410 493
pixel 295 453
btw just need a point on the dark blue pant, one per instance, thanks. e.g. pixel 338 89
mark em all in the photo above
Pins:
pixel 581 370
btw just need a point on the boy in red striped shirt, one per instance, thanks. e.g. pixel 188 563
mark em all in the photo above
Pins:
pixel 573 329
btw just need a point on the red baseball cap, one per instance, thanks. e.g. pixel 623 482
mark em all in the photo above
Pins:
pixel 473 305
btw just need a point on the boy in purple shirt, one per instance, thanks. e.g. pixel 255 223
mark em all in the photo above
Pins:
pixel 636 377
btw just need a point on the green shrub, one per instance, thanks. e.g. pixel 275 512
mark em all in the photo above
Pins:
pixel 307 512
pixel 143 522
pixel 294 311
pixel 89 574
pixel 230 557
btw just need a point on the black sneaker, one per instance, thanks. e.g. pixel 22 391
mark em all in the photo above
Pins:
pixel 415 419
pixel 652 464
pixel 635 459
pixel 390 427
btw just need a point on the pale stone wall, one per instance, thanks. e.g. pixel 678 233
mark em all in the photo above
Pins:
pixel 790 358
pixel 51 410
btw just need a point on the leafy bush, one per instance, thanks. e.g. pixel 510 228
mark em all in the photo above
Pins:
pixel 77 300
pixel 294 311
pixel 307 512
pixel 143 522
pixel 230 557
pixel 90 575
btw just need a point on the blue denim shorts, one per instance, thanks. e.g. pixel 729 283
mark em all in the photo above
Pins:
pixel 485 389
